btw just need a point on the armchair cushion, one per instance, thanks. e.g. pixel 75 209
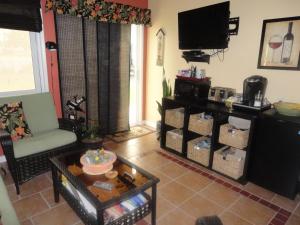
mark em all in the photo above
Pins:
pixel 12 119
pixel 39 110
pixel 43 141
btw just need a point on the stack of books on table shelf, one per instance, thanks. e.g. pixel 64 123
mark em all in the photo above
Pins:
pixel 125 207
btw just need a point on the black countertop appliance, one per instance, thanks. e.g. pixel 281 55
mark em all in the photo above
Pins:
pixel 254 86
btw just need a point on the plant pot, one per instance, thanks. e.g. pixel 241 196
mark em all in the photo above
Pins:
pixel 93 143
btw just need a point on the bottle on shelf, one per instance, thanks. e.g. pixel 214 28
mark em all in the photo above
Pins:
pixel 287 47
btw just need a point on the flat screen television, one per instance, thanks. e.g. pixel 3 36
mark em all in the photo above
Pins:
pixel 204 28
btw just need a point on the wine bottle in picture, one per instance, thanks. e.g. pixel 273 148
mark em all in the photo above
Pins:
pixel 288 41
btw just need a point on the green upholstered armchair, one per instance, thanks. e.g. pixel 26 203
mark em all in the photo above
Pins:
pixel 29 157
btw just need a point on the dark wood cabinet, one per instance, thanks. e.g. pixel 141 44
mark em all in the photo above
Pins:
pixel 275 156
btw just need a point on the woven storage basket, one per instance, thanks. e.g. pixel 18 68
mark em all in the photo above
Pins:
pixel 229 162
pixel 200 125
pixel 200 155
pixel 175 117
pixel 233 137
pixel 174 140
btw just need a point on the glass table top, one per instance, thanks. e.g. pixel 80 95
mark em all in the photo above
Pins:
pixel 129 177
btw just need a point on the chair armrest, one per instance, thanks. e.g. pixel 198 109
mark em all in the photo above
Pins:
pixel 4 134
pixel 7 144
pixel 5 138
pixel 71 125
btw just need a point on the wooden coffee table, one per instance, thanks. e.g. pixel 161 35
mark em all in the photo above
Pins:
pixel 91 203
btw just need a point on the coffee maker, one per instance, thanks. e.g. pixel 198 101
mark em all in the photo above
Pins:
pixel 254 90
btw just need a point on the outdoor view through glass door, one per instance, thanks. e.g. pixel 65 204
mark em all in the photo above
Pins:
pixel 136 75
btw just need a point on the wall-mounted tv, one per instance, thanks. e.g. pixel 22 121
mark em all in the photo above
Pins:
pixel 204 28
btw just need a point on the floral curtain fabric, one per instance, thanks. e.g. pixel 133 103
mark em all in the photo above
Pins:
pixel 100 10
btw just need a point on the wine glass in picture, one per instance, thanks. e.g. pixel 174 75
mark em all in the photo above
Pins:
pixel 275 42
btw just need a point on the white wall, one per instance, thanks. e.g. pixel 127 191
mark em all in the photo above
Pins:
pixel 241 58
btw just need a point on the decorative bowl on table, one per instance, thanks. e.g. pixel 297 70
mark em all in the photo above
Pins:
pixel 287 108
pixel 97 162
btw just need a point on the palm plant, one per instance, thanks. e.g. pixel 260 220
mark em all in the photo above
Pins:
pixel 167 91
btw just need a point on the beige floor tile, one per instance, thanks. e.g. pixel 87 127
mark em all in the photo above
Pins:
pixel 252 211
pixel 297 211
pixel 61 215
pixel 175 193
pixel 259 191
pixel 293 220
pixel 229 218
pixel 194 180
pixel 230 181
pixel 176 217
pixel 35 185
pixel 48 195
pixel 29 206
pixel 154 161
pixel 163 207
pixel 162 177
pixel 131 151
pixel 286 203
pixel 199 206
pixel 26 222
pixel 173 170
pixel 220 194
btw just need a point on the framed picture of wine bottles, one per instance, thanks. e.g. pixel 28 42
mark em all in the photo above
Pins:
pixel 280 44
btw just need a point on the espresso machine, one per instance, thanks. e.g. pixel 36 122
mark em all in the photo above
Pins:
pixel 254 89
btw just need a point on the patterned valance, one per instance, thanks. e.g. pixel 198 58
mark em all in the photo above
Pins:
pixel 101 10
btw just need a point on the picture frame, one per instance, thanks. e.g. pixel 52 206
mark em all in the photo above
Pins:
pixel 280 44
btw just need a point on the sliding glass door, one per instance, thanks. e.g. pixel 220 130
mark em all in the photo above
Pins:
pixel 136 75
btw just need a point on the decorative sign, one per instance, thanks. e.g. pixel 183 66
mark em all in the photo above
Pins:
pixel 160 47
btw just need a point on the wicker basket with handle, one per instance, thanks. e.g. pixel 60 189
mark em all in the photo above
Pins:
pixel 200 124
pixel 175 117
pixel 233 137
pixel 174 140
pixel 229 161
pixel 198 154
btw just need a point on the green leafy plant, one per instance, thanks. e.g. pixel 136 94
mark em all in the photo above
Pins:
pixel 93 131
pixel 167 91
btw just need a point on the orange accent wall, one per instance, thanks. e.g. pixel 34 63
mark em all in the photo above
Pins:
pixel 51 57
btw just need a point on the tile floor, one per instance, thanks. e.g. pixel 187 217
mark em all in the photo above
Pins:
pixel 186 191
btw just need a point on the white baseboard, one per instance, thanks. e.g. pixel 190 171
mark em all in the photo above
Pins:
pixel 150 123
pixel 2 159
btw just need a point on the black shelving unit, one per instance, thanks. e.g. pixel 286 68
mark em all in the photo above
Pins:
pixel 220 115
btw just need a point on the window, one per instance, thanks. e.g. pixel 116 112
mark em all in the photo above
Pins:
pixel 22 63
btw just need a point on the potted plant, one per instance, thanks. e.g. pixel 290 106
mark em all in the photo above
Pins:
pixel 167 91
pixel 92 137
